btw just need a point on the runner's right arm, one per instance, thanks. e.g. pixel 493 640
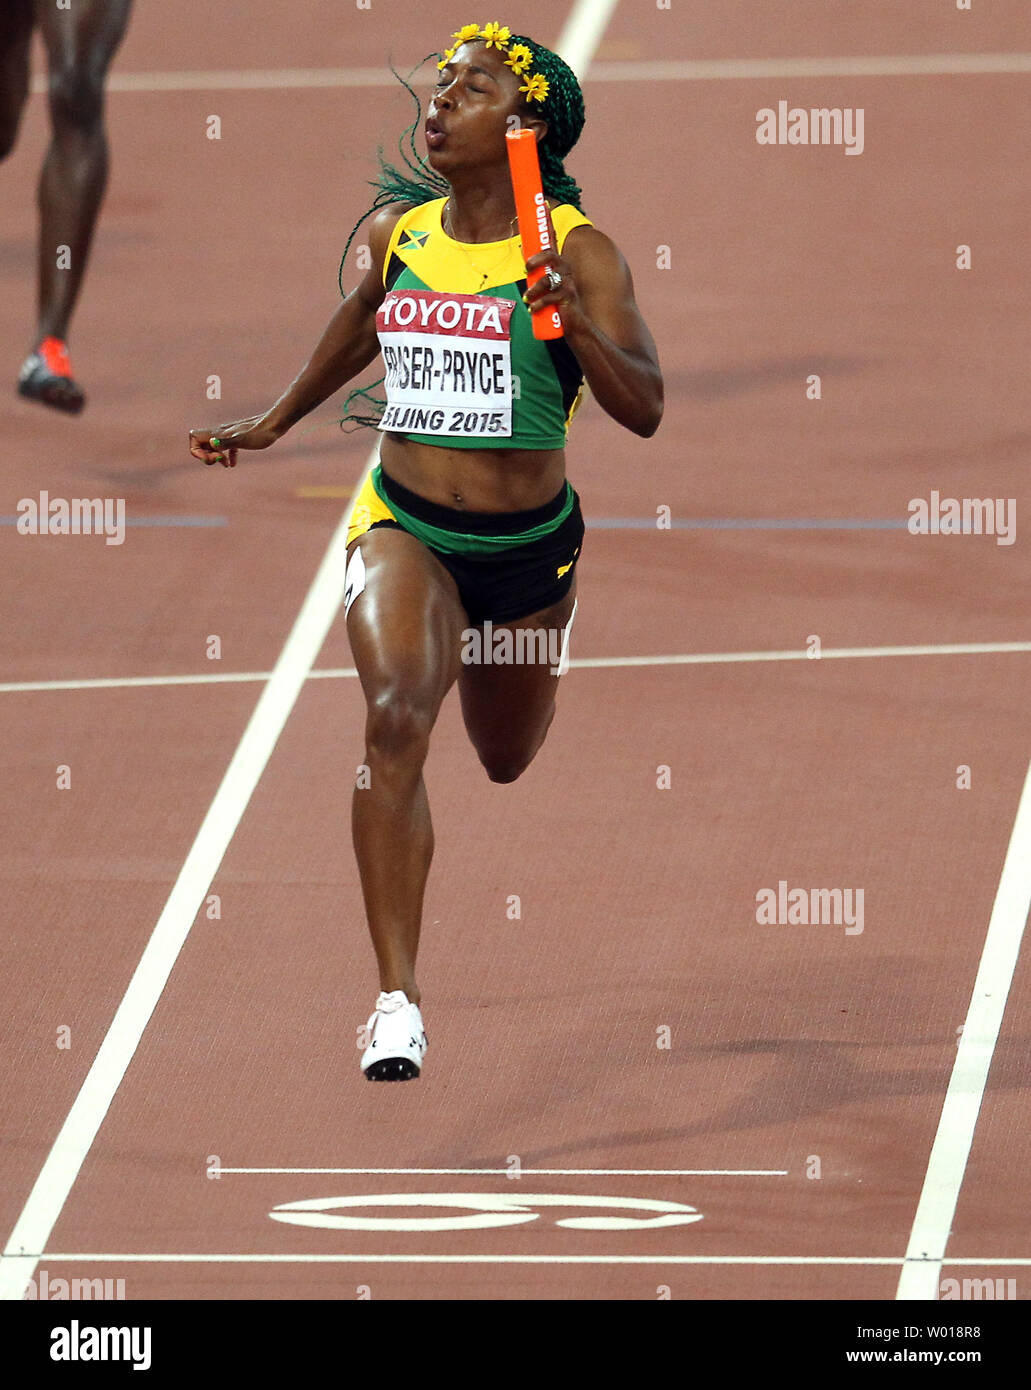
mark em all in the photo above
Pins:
pixel 346 348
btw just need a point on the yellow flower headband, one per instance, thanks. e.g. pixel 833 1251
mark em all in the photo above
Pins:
pixel 535 85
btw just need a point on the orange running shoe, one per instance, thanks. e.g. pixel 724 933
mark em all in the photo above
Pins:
pixel 46 376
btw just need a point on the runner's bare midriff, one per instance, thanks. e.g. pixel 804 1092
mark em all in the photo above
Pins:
pixel 475 480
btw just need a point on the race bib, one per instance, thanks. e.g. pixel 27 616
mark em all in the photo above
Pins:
pixel 448 360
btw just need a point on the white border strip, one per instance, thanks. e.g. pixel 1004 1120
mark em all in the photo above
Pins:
pixel 947 1164
pixel 582 663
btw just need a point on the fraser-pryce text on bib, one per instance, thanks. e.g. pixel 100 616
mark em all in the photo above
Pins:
pixel 448 360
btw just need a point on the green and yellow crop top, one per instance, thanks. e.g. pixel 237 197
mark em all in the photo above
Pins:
pixel 463 369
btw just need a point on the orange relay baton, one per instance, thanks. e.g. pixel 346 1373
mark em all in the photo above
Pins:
pixel 532 211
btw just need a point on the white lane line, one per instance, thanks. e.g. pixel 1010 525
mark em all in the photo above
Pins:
pixel 583 663
pixel 61 1168
pixel 947 1164
pixel 542 1172
pixel 582 33
pixel 886 65
pixel 486 1259
pixel 660 70
pixel 321 605
pixel 827 654
pixel 135 682
pixel 165 1258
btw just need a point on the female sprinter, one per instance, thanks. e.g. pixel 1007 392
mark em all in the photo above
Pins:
pixel 468 517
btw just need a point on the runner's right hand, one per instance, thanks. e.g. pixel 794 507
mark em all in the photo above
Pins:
pixel 253 433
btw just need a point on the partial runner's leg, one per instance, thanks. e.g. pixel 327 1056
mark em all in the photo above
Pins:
pixel 16 21
pixel 80 43
pixel 509 708
pixel 405 628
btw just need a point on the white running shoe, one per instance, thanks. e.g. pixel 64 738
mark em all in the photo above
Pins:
pixel 398 1040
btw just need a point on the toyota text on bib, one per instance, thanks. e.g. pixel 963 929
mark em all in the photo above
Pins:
pixel 448 360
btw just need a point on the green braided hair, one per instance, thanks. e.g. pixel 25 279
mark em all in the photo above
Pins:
pixel 415 182
pixel 563 109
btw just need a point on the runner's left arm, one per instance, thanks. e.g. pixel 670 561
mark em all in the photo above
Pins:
pixel 603 326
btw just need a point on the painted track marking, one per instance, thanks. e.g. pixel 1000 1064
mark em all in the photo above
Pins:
pixel 658 70
pixel 531 1172
pixel 209 1258
pixel 951 1149
pixel 590 663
